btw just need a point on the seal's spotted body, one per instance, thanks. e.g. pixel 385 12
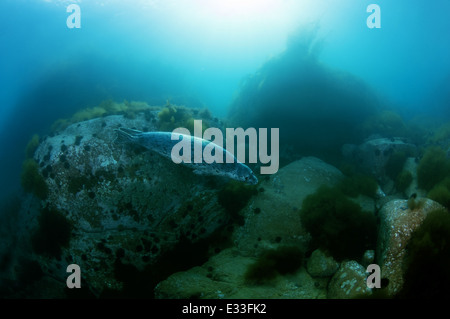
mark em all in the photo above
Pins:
pixel 162 143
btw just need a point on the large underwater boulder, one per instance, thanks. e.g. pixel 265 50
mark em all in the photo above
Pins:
pixel 386 159
pixel 373 155
pixel 321 265
pixel 118 208
pixel 398 220
pixel 18 270
pixel 349 282
pixel 272 218
pixel 271 221
pixel 223 277
pixel 410 167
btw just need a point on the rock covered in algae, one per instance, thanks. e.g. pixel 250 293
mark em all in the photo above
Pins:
pixel 350 281
pixel 398 220
pixel 373 155
pixel 321 265
pixel 126 204
pixel 223 277
pixel 272 218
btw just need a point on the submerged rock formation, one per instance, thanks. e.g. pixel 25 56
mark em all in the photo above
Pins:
pixel 132 220
pixel 321 265
pixel 223 277
pixel 398 220
pixel 273 218
pixel 112 205
pixel 349 282
pixel 271 222
pixel 373 155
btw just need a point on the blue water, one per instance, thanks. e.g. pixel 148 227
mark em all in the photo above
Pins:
pixel 196 53
pixel 217 54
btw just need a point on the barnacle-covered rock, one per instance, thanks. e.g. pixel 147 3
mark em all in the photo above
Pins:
pixel 271 221
pixel 125 205
pixel 350 281
pixel 398 219
pixel 272 218
pixel 223 277
pixel 376 156
pixel 321 265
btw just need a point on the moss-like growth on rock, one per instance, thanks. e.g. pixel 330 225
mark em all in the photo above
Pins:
pixel 357 184
pixel 205 114
pixel 141 283
pixel 78 139
pixel 167 114
pixel 77 183
pixel 32 146
pixel 337 224
pixel 32 181
pixel 427 261
pixel 274 262
pixel 54 232
pixel 173 116
pixel 234 196
pixel 403 180
pixel 441 193
pixel 87 114
pixel 442 134
pixel 414 203
pixel 386 123
pixel 433 168
pixel 106 107
pixel 394 164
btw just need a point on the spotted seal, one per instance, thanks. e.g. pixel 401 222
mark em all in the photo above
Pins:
pixel 163 143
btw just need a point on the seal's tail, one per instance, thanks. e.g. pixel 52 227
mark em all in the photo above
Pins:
pixel 127 134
